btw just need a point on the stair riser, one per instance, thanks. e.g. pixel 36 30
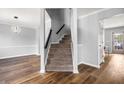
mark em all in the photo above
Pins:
pixel 66 69
pixel 66 39
pixel 69 37
pixel 54 67
pixel 60 59
pixel 62 56
pixel 60 52
pixel 60 62
pixel 64 42
pixel 61 46
pixel 60 70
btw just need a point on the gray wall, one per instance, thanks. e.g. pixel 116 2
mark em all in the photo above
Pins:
pixel 108 36
pixel 59 17
pixel 88 40
pixel 17 44
pixel 89 36
pixel 67 19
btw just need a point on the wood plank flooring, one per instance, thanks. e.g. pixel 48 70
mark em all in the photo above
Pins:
pixel 15 70
pixel 25 70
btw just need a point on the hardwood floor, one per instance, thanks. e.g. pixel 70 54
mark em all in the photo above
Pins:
pixel 111 72
pixel 25 70
pixel 15 70
pixel 114 71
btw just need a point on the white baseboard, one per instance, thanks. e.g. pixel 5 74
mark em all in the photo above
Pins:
pixel 42 71
pixel 75 71
pixel 89 64
pixel 37 54
pixel 18 56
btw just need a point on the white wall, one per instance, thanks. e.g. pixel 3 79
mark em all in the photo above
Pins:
pixel 17 44
pixel 108 36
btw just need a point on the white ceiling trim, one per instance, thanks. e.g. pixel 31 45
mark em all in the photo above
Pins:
pixel 113 27
pixel 92 13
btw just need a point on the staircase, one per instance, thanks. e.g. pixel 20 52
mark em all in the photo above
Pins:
pixel 60 56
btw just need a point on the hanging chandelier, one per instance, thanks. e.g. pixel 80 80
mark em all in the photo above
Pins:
pixel 16 28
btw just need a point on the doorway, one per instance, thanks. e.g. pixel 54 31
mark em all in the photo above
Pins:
pixel 117 42
pixel 111 36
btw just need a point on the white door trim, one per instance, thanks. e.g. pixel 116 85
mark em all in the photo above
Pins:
pixel 41 41
pixel 74 39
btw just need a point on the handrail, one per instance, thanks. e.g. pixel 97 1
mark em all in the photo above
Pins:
pixel 60 29
pixel 48 38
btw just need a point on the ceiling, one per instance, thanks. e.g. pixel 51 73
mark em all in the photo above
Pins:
pixel 29 17
pixel 114 21
pixel 85 11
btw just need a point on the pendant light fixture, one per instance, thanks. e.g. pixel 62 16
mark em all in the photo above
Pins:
pixel 16 28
